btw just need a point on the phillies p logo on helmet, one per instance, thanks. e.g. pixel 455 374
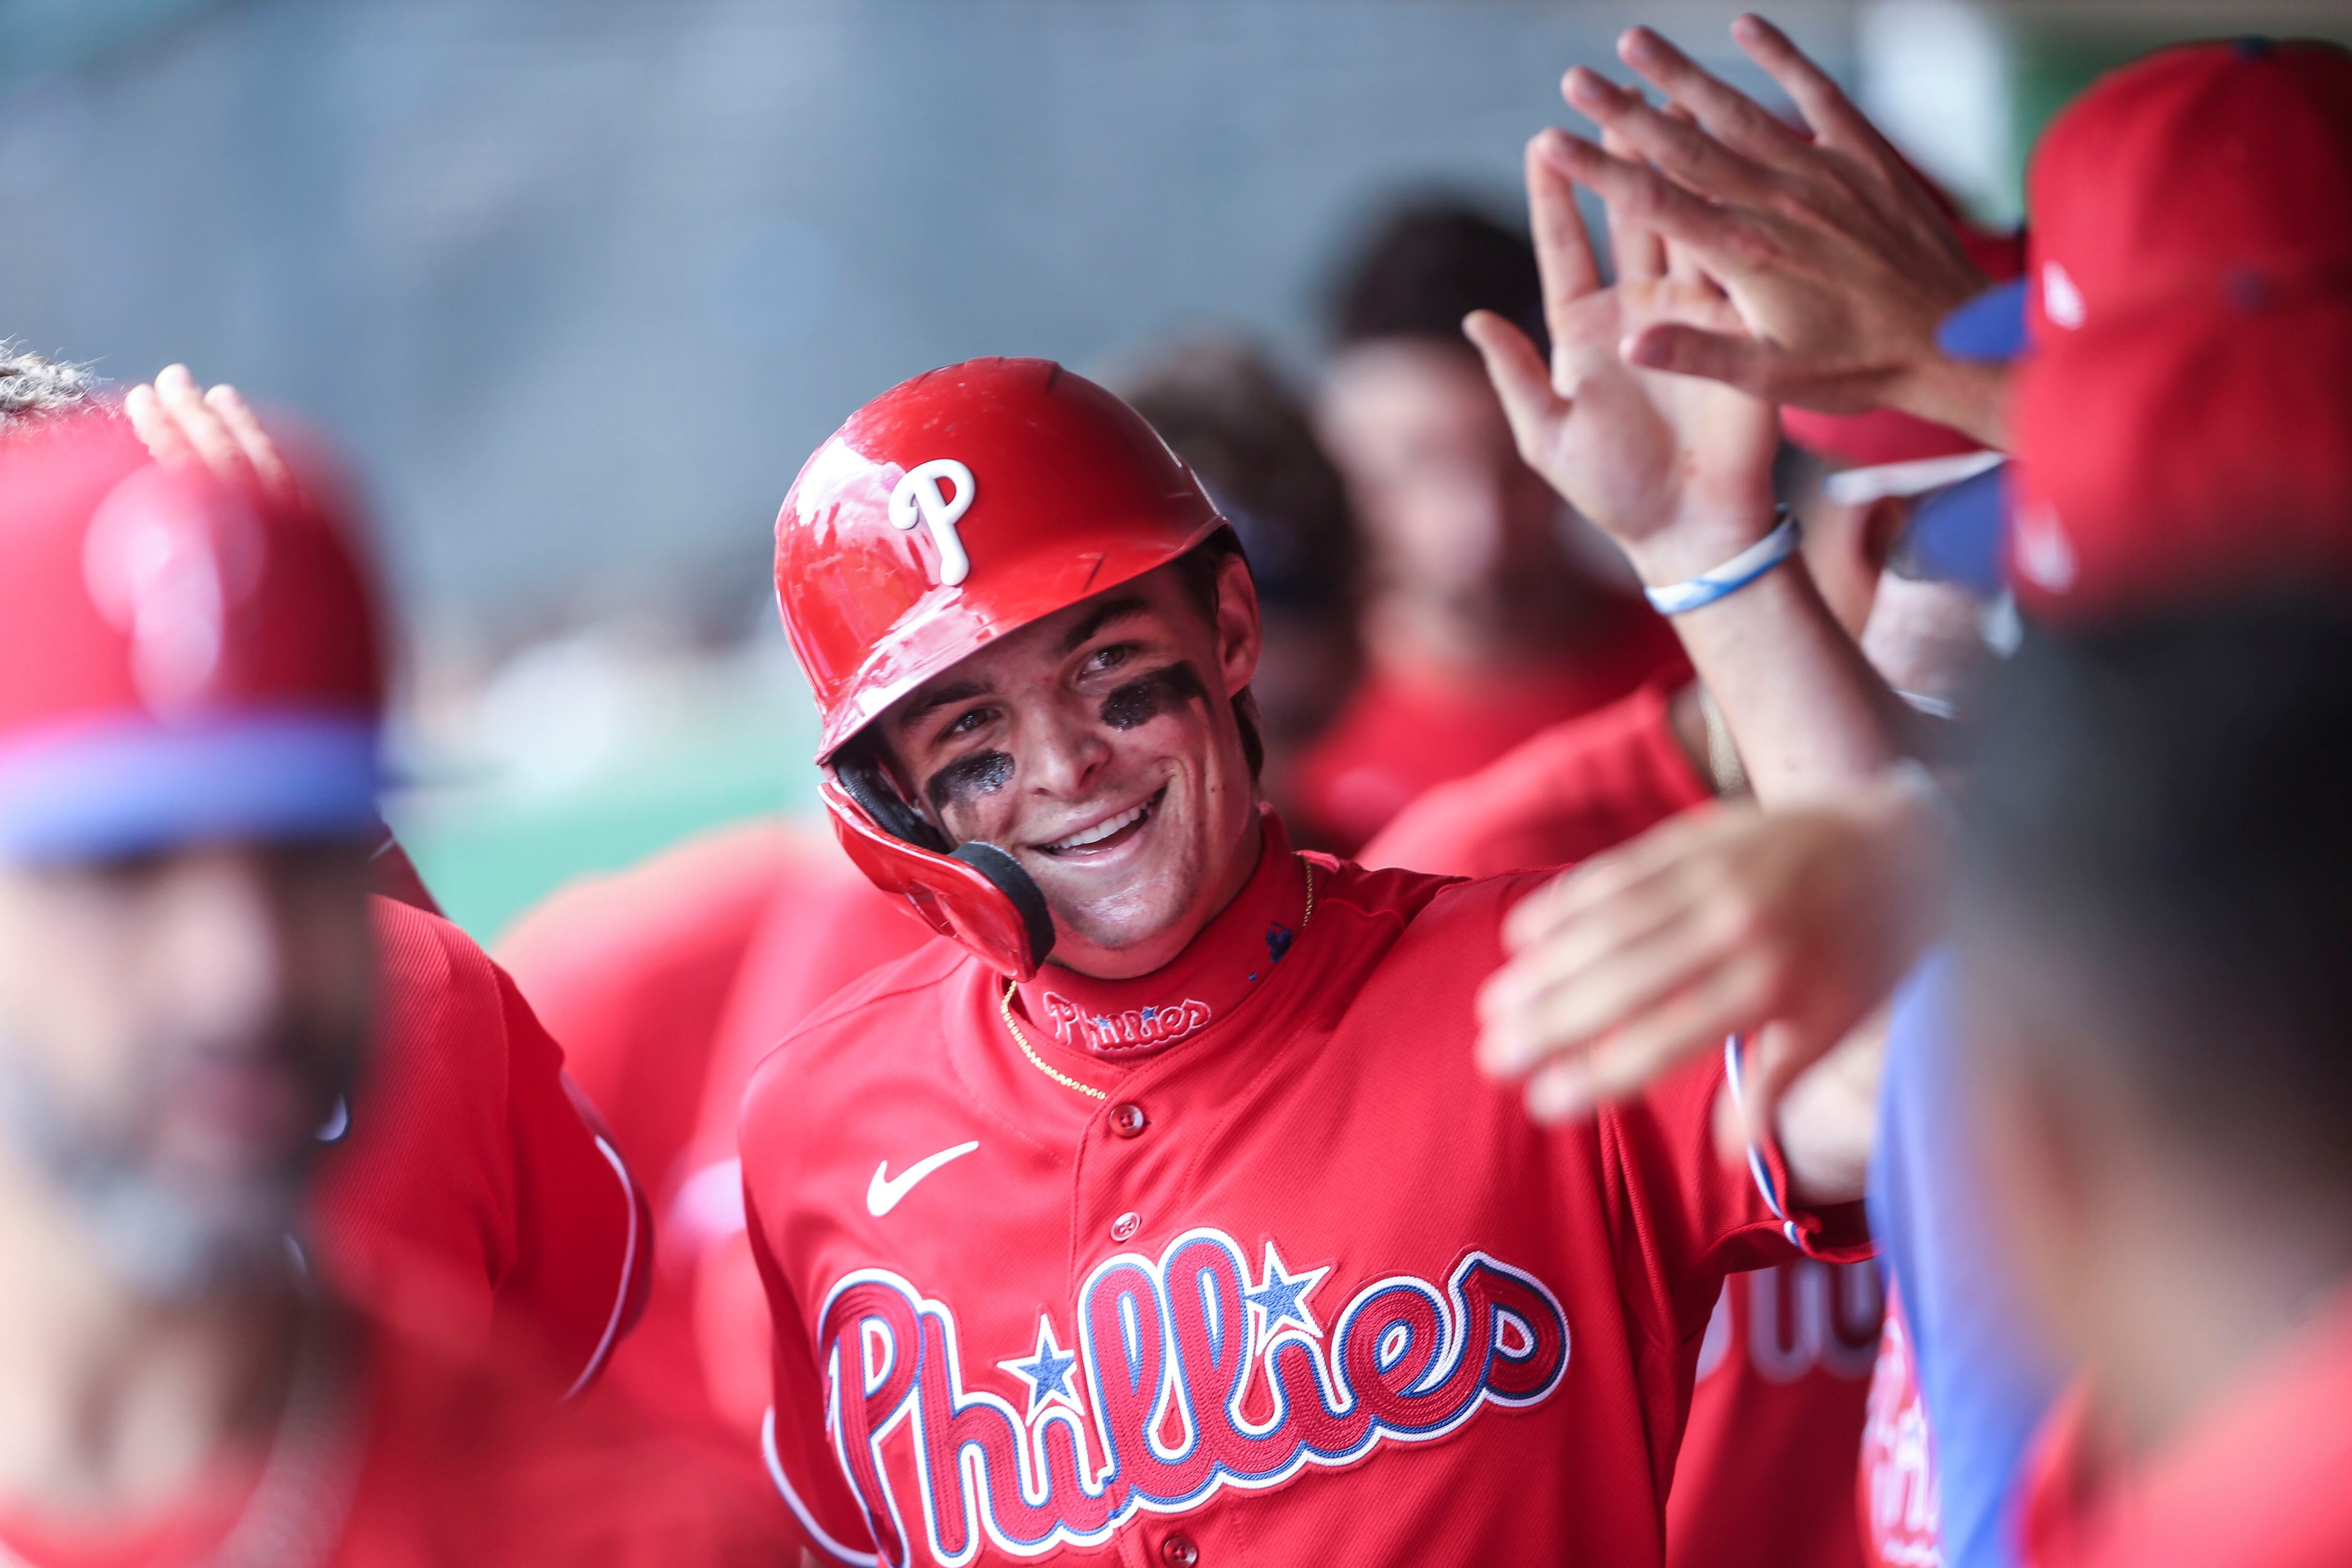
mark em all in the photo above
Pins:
pixel 919 499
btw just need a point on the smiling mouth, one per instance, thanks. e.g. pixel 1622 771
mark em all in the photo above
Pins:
pixel 1110 832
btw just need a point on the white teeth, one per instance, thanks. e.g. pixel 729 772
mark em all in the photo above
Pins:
pixel 1101 830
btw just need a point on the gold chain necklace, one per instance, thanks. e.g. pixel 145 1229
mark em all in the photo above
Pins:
pixel 1004 1006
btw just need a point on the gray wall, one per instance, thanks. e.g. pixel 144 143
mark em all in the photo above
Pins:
pixel 583 280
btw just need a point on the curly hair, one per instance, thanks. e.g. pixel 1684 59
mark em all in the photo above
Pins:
pixel 33 386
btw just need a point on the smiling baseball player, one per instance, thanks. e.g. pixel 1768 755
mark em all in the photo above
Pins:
pixel 1165 1216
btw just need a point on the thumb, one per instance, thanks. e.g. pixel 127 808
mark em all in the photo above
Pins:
pixel 1741 361
pixel 1774 1058
pixel 1522 379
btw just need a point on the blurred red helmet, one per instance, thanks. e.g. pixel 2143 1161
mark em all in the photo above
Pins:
pixel 180 658
pixel 951 509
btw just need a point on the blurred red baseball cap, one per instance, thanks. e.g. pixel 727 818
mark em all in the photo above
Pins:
pixel 2199 171
pixel 2185 457
pixel 181 659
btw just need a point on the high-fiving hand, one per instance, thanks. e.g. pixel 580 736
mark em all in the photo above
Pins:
pixel 1677 469
pixel 1838 263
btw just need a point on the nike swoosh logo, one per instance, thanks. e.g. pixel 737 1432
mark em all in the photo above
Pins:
pixel 883 1193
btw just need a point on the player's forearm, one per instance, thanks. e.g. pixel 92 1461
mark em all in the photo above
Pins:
pixel 1806 711
pixel 1967 396
pixel 1827 1121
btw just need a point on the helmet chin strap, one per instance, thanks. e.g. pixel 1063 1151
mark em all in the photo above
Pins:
pixel 1018 886
pixel 861 775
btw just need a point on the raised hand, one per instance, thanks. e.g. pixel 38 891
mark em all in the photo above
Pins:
pixel 1792 924
pixel 1676 468
pixel 182 422
pixel 1837 262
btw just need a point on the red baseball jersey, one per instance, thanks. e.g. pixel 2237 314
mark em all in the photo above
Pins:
pixel 2256 1480
pixel 825 927
pixel 411 1456
pixel 1240 1261
pixel 1766 1478
pixel 1404 733
pixel 632 970
pixel 1573 791
pixel 667 982
pixel 468 1189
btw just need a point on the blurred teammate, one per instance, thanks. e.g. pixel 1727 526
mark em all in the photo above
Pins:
pixel 667 981
pixel 465 1183
pixel 190 701
pixel 1483 624
pixel 1226 412
pixel 2155 955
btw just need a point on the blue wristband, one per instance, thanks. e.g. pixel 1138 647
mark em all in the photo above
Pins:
pixel 1680 598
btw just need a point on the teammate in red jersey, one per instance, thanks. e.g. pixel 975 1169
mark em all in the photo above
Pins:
pixel 1481 626
pixel 1765 1472
pixel 468 1178
pixel 190 699
pixel 667 982
pixel 1191 1241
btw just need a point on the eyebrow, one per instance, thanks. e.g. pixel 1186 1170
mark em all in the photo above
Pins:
pixel 937 697
pixel 1110 610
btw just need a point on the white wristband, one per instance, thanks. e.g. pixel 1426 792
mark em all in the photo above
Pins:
pixel 1678 598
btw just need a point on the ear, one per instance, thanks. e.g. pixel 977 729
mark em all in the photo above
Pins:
pixel 1882 525
pixel 1241 639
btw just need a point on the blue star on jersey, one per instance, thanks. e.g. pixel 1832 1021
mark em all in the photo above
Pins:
pixel 1046 1372
pixel 1281 1297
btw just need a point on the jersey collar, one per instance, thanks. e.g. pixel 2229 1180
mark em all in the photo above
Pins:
pixel 1128 1020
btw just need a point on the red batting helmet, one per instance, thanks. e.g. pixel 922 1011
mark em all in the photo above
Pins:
pixel 951 509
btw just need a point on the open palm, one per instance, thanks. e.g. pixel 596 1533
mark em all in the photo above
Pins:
pixel 1676 468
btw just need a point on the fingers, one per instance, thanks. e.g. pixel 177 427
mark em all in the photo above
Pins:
pixel 1563 249
pixel 1622 873
pixel 1641 193
pixel 1682 262
pixel 1693 1021
pixel 1556 1002
pixel 1675 145
pixel 1521 380
pixel 1824 105
pixel 1729 115
pixel 1640 254
pixel 201 425
pixel 155 428
pixel 269 465
pixel 1732 358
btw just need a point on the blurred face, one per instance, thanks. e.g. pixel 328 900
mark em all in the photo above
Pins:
pixel 1098 748
pixel 175 1029
pixel 1923 637
pixel 1419 437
